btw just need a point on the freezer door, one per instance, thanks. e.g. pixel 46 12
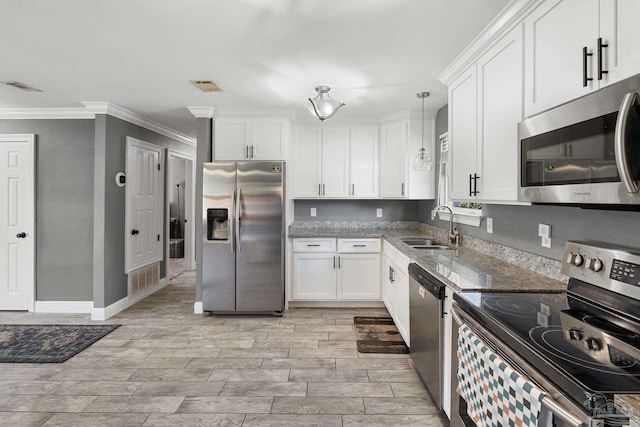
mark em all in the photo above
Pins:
pixel 260 252
pixel 218 257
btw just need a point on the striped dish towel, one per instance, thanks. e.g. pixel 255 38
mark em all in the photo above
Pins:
pixel 496 395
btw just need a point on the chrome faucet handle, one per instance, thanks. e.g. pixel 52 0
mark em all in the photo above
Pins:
pixel 454 237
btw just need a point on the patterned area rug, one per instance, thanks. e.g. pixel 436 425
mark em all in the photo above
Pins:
pixel 47 343
pixel 379 335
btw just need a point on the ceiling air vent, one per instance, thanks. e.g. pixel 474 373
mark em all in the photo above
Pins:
pixel 19 85
pixel 206 85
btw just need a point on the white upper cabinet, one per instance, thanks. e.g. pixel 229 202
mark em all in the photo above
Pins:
pixel 619 31
pixel 250 138
pixel 393 160
pixel 307 164
pixel 463 96
pixel 335 162
pixel 485 106
pixel 363 162
pixel 576 46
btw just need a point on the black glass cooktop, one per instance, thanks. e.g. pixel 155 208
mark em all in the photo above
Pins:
pixel 584 348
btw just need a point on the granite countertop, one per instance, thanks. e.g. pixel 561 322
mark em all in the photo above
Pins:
pixel 462 269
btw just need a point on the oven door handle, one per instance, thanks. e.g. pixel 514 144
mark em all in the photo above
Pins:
pixel 548 401
pixel 620 141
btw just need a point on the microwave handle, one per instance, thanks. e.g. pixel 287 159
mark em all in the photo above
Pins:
pixel 620 141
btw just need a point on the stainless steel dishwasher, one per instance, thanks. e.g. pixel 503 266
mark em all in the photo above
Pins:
pixel 426 320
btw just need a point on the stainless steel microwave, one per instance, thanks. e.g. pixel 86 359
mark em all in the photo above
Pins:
pixel 585 152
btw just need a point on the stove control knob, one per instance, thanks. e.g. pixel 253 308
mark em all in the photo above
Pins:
pixel 575 334
pixel 594 344
pixel 578 260
pixel 596 265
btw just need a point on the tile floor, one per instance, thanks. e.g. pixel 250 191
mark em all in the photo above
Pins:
pixel 166 366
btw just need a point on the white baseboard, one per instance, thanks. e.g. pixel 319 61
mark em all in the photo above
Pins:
pixel 336 304
pixel 63 307
pixel 197 307
pixel 124 303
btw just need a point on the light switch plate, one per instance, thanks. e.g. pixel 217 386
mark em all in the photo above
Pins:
pixel 546 242
pixel 544 230
pixel 489 225
pixel 379 212
pixel 313 212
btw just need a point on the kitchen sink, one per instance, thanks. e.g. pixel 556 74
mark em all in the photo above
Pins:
pixel 431 247
pixel 425 244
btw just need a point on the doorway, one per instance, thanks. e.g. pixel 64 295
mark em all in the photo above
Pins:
pixel 180 221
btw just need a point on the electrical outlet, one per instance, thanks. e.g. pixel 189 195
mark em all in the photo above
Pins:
pixel 546 242
pixel 379 212
pixel 489 225
pixel 544 230
pixel 313 212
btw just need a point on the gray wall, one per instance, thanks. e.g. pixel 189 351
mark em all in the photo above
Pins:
pixel 113 154
pixel 204 155
pixel 356 210
pixel 517 226
pixel 64 206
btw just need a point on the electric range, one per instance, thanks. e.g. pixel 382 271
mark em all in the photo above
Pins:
pixel 585 341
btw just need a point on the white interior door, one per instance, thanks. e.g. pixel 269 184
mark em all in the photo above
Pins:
pixel 144 203
pixel 17 222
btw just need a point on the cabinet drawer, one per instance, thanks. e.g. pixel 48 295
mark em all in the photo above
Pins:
pixel 359 245
pixel 314 245
pixel 402 262
pixel 389 250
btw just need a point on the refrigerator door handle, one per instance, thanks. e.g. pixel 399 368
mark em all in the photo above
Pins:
pixel 232 222
pixel 238 216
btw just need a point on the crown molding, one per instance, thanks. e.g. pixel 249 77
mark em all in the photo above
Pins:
pixel 45 113
pixel 510 16
pixel 201 112
pixel 131 117
pixel 254 112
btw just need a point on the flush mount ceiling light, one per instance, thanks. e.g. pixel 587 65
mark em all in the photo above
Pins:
pixel 422 162
pixel 323 106
pixel 206 85
pixel 22 86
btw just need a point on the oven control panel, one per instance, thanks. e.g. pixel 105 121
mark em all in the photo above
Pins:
pixel 607 266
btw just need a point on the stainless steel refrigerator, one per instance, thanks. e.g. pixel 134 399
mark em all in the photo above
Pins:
pixel 244 241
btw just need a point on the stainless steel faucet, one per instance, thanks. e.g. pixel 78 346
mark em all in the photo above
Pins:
pixel 454 235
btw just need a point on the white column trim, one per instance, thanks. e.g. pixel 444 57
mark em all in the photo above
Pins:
pixel 124 303
pixel 63 306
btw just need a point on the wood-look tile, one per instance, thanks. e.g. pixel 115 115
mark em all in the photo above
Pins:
pixel 317 405
pixel 194 420
pixel 143 343
pixel 146 404
pixel 286 344
pixel 409 390
pixel 221 374
pixel 185 352
pixel 324 328
pixel 297 336
pixel 224 362
pixel 400 406
pixel 13 372
pixel 372 364
pixel 107 374
pixel 393 376
pixel 349 389
pixel 24 419
pixel 284 363
pixel 45 403
pixel 26 387
pixel 272 420
pixel 329 375
pixel 180 388
pixel 153 362
pixel 264 388
pixel 94 388
pixel 102 420
pixel 392 421
pixel 90 362
pixel 226 405
pixel 323 353
pixel 222 343
pixel 252 353
pixel 338 344
pixel 191 374
pixel 116 352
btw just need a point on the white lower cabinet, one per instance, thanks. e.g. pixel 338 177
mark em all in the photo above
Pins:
pixel 395 288
pixel 350 273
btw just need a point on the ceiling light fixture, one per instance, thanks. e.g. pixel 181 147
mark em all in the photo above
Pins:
pixel 422 162
pixel 323 106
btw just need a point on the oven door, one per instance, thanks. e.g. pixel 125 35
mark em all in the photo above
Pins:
pixel 563 412
pixel 584 152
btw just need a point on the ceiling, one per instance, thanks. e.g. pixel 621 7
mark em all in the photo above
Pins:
pixel 141 54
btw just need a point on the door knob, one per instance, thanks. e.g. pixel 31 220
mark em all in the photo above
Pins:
pixel 134 232
pixel 21 235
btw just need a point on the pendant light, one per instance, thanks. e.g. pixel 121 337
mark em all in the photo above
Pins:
pixel 422 162
pixel 323 106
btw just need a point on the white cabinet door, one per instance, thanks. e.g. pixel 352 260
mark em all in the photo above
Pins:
pixel 499 112
pixel 555 35
pixel 463 134
pixel 268 140
pixel 363 162
pixel 401 308
pixel 231 139
pixel 359 276
pixel 314 276
pixel 307 163
pixel 388 295
pixel 619 30
pixel 393 160
pixel 335 162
